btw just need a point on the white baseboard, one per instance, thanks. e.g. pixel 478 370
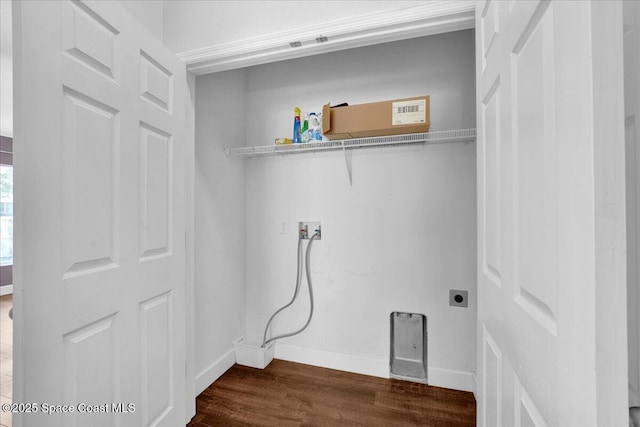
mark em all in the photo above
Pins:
pixel 475 386
pixel 447 378
pixel 333 360
pixel 6 290
pixel 211 373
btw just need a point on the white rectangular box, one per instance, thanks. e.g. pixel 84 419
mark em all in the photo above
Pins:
pixel 253 355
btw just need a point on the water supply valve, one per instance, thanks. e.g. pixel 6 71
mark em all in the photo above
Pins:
pixel 309 228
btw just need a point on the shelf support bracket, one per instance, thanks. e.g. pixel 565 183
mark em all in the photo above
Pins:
pixel 348 163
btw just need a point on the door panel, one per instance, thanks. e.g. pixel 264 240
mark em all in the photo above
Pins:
pixel 101 186
pixel 90 39
pixel 632 130
pixel 155 200
pixel 492 226
pixel 633 197
pixel 155 82
pixel 90 369
pixel 538 215
pixel 492 386
pixel 533 140
pixel 88 188
pixel 157 394
pixel 526 412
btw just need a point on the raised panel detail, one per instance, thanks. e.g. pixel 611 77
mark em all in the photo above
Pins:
pixel 489 21
pixel 526 411
pixel 492 184
pixel 492 381
pixel 633 255
pixel 156 357
pixel 90 371
pixel 532 64
pixel 155 169
pixel 90 39
pixel 156 82
pixel 90 194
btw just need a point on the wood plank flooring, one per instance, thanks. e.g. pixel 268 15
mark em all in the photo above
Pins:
pixel 6 357
pixel 292 394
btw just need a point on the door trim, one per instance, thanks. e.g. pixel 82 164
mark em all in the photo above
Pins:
pixel 369 29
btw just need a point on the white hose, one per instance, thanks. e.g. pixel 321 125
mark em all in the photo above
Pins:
pixel 295 294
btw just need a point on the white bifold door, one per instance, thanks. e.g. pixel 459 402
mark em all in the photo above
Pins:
pixel 632 125
pixel 551 214
pixel 100 218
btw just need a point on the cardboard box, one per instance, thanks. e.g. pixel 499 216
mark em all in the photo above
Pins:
pixel 398 116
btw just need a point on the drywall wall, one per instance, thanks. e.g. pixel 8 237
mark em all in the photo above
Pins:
pixel 149 13
pixel 396 240
pixel 6 70
pixel 191 25
pixel 220 236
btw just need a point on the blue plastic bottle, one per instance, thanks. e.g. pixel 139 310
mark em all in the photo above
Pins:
pixel 296 126
pixel 315 128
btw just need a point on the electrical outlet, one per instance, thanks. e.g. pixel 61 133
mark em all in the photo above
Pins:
pixel 458 298
pixel 309 228
pixel 284 227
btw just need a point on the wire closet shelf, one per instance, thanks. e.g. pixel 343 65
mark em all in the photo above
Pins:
pixel 440 137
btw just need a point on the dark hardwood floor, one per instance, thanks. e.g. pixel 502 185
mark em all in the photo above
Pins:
pixel 6 357
pixel 292 394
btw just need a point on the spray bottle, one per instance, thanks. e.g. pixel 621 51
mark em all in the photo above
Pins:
pixel 296 126
pixel 304 132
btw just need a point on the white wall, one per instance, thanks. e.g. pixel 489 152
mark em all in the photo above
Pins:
pixel 397 240
pixel 149 13
pixel 6 70
pixel 191 25
pixel 219 223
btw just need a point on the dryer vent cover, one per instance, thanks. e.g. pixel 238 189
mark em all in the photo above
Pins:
pixel 408 355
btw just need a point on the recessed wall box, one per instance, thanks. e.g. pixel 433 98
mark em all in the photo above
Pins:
pixel 458 298
pixel 408 355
